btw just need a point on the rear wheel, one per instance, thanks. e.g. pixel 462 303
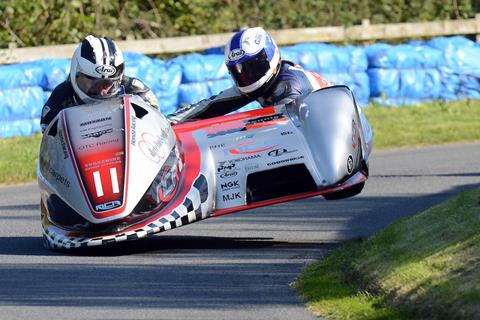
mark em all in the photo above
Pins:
pixel 345 193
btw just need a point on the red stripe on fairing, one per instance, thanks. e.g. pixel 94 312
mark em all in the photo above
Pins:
pixel 190 173
pixel 355 180
pixel 108 213
pixel 200 124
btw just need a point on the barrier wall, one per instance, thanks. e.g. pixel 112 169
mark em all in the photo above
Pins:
pixel 442 68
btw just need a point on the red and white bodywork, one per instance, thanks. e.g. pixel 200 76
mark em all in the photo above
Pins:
pixel 118 171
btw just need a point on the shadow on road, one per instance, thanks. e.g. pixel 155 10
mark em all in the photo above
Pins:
pixel 199 271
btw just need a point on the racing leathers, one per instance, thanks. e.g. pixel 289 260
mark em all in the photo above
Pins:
pixel 291 82
pixel 63 96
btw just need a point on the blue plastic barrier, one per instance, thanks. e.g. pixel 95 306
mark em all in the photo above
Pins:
pixel 198 68
pixel 444 67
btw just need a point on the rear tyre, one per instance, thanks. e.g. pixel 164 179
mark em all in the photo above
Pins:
pixel 345 193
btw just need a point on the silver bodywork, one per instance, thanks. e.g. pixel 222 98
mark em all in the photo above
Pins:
pixel 226 164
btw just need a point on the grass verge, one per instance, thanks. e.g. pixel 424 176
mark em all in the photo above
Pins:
pixel 18 159
pixel 425 124
pixel 422 267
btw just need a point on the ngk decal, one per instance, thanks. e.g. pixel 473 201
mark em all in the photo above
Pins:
pixel 230 185
pixel 250 147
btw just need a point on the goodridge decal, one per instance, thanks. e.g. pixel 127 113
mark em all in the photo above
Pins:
pixel 284 161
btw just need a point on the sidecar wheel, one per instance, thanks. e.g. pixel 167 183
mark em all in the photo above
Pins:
pixel 347 193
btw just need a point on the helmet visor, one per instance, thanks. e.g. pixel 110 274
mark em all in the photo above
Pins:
pixel 97 87
pixel 250 71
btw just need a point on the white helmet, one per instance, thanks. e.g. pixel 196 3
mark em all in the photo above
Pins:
pixel 97 69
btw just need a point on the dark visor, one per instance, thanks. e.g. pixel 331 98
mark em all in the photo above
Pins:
pixel 94 87
pixel 250 71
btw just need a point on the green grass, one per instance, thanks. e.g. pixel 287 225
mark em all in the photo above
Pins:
pixel 422 267
pixel 429 123
pixel 18 159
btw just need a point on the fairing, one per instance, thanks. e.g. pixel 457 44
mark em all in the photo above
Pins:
pixel 167 178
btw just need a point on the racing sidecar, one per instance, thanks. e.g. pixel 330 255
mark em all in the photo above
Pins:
pixel 117 171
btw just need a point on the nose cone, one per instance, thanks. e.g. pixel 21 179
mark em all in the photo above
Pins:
pixel 330 125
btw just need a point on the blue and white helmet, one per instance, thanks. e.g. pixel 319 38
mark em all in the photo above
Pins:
pixel 252 58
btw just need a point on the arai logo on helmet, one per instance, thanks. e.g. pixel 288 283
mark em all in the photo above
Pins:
pixel 106 70
pixel 236 54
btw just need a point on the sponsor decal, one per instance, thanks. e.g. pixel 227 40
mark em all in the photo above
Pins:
pixel 108 205
pixel 217 146
pixel 97 144
pixel 286 133
pixel 64 146
pixel 246 136
pixel 249 147
pixel 151 146
pixel 354 135
pixel 349 164
pixel 106 70
pixel 258 38
pixel 252 167
pixel 102 163
pixel 226 166
pixel 58 177
pixel 228 174
pixel 231 196
pixel 272 117
pixel 250 157
pixel 86 123
pixel 224 128
pixel 236 54
pixel 279 152
pixel 284 161
pixel 230 185
pixel 133 129
pixel 97 134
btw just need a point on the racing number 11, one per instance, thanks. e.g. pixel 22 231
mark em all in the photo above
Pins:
pixel 98 181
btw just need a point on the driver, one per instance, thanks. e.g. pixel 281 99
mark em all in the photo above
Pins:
pixel 96 74
pixel 254 63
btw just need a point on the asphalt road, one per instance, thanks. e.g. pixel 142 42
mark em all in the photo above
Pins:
pixel 239 266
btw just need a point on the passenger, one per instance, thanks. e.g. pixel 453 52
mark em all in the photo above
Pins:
pixel 254 63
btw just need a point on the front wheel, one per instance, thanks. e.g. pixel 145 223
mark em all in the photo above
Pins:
pixel 345 193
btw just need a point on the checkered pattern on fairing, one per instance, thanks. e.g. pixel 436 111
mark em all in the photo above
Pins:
pixel 193 208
